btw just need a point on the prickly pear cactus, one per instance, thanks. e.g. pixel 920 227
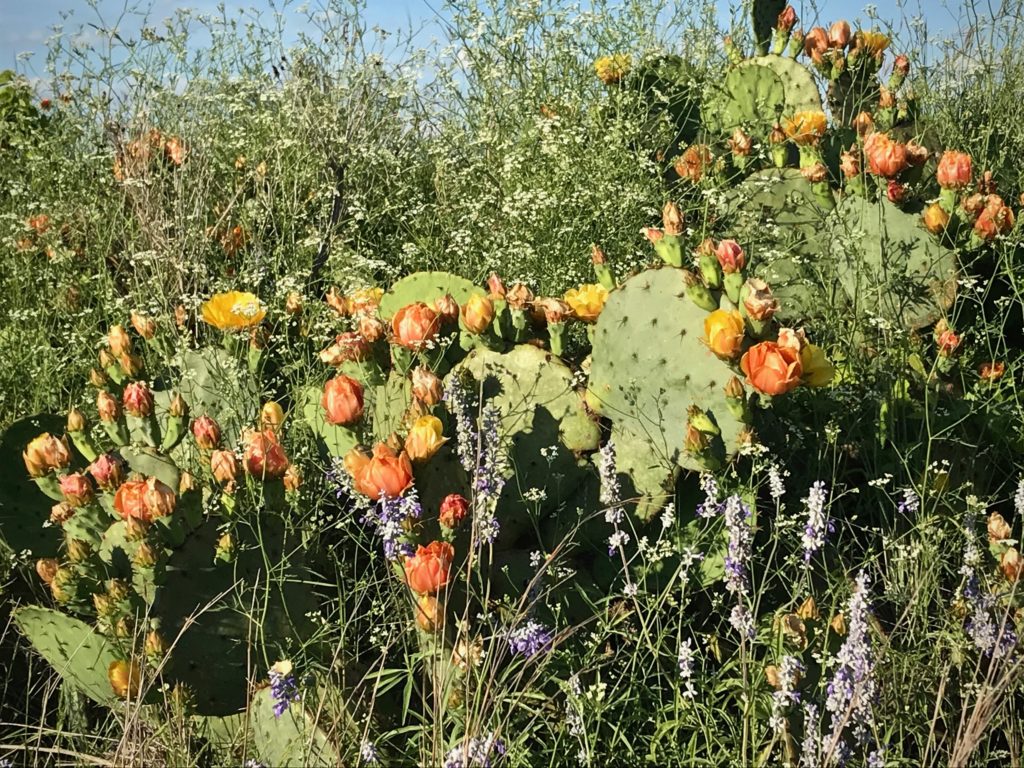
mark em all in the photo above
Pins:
pixel 764 15
pixel 889 265
pixel 214 383
pixel 426 287
pixel 667 84
pixel 73 648
pixel 650 366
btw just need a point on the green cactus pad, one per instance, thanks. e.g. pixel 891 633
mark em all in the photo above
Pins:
pixel 23 507
pixel 294 738
pixel 152 463
pixel 426 287
pixel 533 391
pixel 779 221
pixel 390 401
pixel 889 265
pixel 88 524
pixel 80 655
pixel 650 365
pixel 214 383
pixel 758 92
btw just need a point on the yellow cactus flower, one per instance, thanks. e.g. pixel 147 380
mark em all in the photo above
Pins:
pixel 872 43
pixel 233 311
pixel 587 301
pixel 425 438
pixel 723 333
pixel 611 69
pixel 805 127
pixel 818 371
pixel 125 678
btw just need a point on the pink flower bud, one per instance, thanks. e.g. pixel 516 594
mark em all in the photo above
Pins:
pixel 730 256
pixel 138 400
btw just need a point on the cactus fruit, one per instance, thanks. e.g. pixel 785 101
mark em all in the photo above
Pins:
pixel 889 265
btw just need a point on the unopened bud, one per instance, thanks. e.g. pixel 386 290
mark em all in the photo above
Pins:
pixel 293 303
pixel 447 307
pixel 734 389
pixel 47 568
pixel 672 218
pixel 118 341
pixel 61 512
pixel 97 378
pixel 272 415
pixel 495 286
pixel 108 407
pixel 178 408
pixel 131 365
pixel 144 326
pixel 78 551
pixel 76 421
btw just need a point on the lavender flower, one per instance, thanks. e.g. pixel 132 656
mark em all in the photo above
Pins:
pixel 710 506
pixel 785 696
pixel 685 661
pixel 810 749
pixel 611 498
pixel 818 524
pixel 530 639
pixel 1018 499
pixel 283 688
pixel 911 504
pixel 388 516
pixel 476 753
pixel 368 753
pixel 457 399
pixel 776 485
pixel 737 581
pixel 988 637
pixel 489 476
pixel 853 690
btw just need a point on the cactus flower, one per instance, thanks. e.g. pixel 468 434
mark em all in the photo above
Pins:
pixel 1012 565
pixel 47 568
pixel 895 191
pixel 724 333
pixel 741 144
pixel 370 328
pixel 996 218
pixel 551 310
pixel 206 431
pixel 786 19
pixel 871 43
pixel 815 173
pixel 264 457
pixel 346 347
pixel 992 371
pixel 144 326
pixel 998 528
pixel 342 400
pixel 125 678
pixel 695 160
pixel 45 454
pixel 935 219
pixel 174 150
pixel 77 489
pixel 771 368
pixel 947 340
pixel 886 158
pixel 233 311
pixel 805 127
pixel 611 69
pixel 293 303
pixel 225 467
pixel 447 307
pixel 292 478
pixel 849 164
pixel 863 123
pixel 519 296
pixel 816 43
pixel 818 371
pixel 495 287
pixel 477 314
pixel 454 510
pixel 131 365
pixel 839 34
pixel 61 512
pixel 118 341
pixel 426 386
pixel 758 301
pixel 138 399
pixel 730 256
pixel 954 170
pixel 272 416
pixel 425 438
pixel 429 613
pixel 426 572
pixel 415 325
pixel 385 474
pixel 587 301
pixel 143 500
pixel 672 219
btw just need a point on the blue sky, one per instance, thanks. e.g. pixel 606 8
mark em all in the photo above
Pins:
pixel 25 25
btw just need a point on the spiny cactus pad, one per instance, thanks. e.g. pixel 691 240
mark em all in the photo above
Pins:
pixel 779 221
pixel 23 507
pixel 757 92
pixel 889 265
pixel 294 738
pixel 426 287
pixel 214 383
pixel 80 655
pixel 650 365
pixel 533 391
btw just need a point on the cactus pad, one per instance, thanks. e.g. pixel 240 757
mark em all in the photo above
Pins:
pixel 650 364
pixel 294 738
pixel 757 92
pixel 889 265
pixel 426 287
pixel 764 15
pixel 80 655
pixel 214 383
